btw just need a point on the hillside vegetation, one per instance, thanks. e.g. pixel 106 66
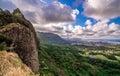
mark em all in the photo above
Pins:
pixel 68 60
pixel 51 38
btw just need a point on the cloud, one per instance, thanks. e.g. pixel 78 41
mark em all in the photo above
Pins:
pixel 50 17
pixel 62 13
pixel 39 12
pixel 99 30
pixel 53 28
pixel 46 17
pixel 88 22
pixel 102 9
pixel 76 3
pixel 5 4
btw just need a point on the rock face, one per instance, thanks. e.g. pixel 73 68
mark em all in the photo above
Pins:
pixel 24 44
pixel 11 65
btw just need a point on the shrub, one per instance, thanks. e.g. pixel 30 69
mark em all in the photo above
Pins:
pixel 1 47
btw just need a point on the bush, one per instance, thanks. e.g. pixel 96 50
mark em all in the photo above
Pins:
pixel 5 39
pixel 1 47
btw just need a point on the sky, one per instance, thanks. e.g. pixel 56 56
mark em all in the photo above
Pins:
pixel 87 19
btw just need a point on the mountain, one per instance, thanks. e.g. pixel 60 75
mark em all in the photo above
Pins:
pixel 94 42
pixel 51 38
pixel 18 35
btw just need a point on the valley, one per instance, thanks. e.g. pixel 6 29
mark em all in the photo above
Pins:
pixel 79 60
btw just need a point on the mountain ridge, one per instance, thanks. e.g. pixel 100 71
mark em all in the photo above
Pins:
pixel 24 41
pixel 51 38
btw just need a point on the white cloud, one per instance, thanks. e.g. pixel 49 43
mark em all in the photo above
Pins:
pixel 47 17
pixel 99 30
pixel 42 13
pixel 102 9
pixel 88 22
pixel 100 26
pixel 53 28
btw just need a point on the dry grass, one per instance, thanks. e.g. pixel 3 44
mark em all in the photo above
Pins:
pixel 11 65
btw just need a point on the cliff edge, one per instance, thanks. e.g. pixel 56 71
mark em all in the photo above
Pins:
pixel 15 27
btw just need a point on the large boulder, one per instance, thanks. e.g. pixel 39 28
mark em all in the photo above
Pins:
pixel 24 43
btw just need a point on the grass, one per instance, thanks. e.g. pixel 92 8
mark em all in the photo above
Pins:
pixel 11 65
pixel 117 57
pixel 102 57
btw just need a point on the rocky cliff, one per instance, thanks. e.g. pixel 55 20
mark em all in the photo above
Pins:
pixel 23 37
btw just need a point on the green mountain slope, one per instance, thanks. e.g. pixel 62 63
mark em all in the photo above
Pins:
pixel 50 38
pixel 80 60
pixel 48 66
